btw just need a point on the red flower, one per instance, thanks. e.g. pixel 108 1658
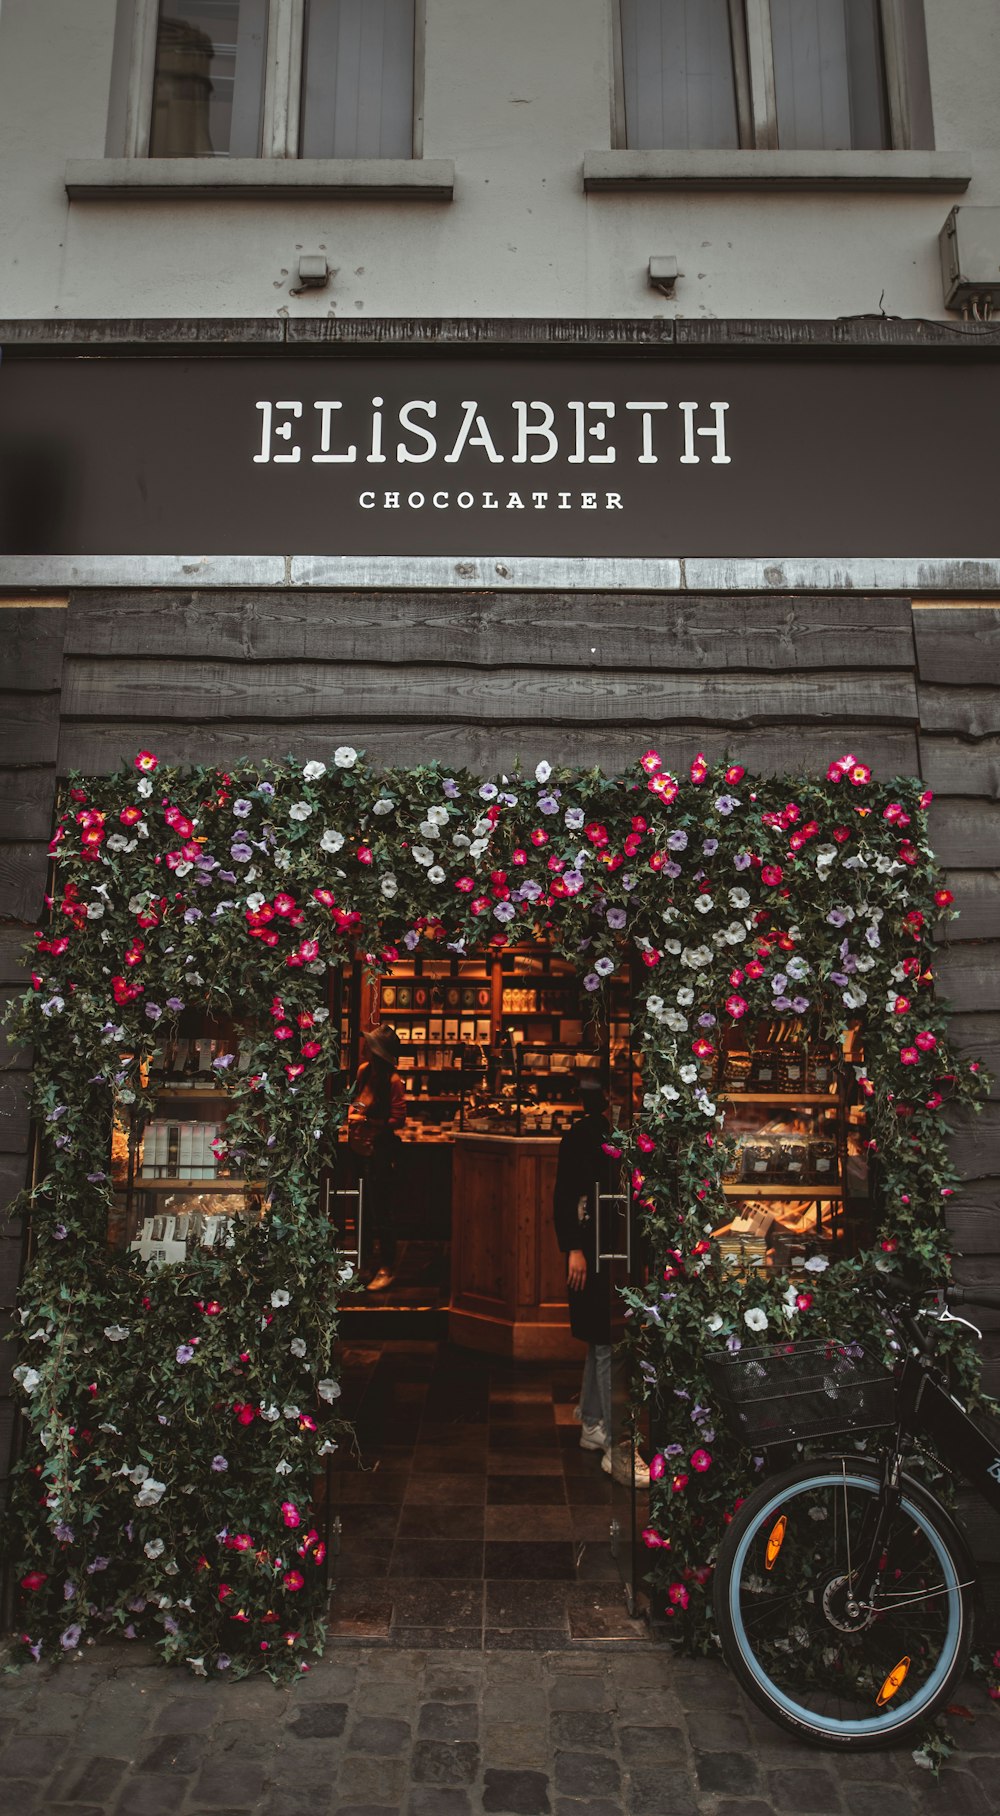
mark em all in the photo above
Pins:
pixel 608 1147
pixel 283 1032
pixel 290 1514
pixel 245 1412
pixel 925 1040
pixel 926 798
pixel 539 836
pixel 735 774
pixel 909 1056
pixel 702 1048
pixel 651 956
pixel 310 1048
pixel 907 853
pixel 364 854
pixel 325 896
pixel 518 855
pixel 34 1579
pixel 678 1595
pixel 803 1301
pixel 596 833
pixel 650 763
pixel 657 1468
pixel 771 875
pixel 943 898
pixel 294 1071
pixel 901 1005
pixel 664 786
pixel 735 1006
pixel 679 1484
pixel 859 774
pixel 841 834
pixel 293 1579
pixel 754 968
pixel 284 904
pixel 652 1540
pixel 645 1142
pixel 130 815
pixel 466 884
pixel 699 769
pixel 146 762
pixel 701 1460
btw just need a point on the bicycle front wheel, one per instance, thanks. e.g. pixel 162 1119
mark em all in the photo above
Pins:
pixel 828 1670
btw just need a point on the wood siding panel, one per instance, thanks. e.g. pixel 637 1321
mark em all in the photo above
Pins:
pixel 26 800
pixel 96 748
pixel 24 870
pixel 591 631
pixel 978 1037
pixel 956 645
pixel 953 767
pixel 31 645
pixel 29 728
pixel 977 1232
pixel 977 897
pixel 307 691
pixel 14 1113
pixel 965 834
pixel 969 712
pixel 975 1143
pixel 968 976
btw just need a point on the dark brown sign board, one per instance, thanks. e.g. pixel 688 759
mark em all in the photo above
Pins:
pixel 453 456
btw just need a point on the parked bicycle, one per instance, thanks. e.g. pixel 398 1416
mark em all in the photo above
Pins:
pixel 843 1590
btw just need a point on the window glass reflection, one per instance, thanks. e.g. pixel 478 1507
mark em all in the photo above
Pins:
pixel 677 70
pixel 829 77
pixel 209 85
pixel 357 89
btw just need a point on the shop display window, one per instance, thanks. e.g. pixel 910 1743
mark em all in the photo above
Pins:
pixel 175 1187
pixel 796 1170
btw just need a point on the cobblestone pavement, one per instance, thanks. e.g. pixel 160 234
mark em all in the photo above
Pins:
pixel 585 1731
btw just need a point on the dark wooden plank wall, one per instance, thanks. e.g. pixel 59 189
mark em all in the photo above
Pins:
pixel 958 681
pixel 31 639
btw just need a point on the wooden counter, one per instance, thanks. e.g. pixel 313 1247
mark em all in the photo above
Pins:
pixel 508 1293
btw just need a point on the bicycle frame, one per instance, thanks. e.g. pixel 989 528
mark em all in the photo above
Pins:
pixel 925 1407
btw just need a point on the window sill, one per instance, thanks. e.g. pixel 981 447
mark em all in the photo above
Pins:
pixel 260 179
pixel 846 171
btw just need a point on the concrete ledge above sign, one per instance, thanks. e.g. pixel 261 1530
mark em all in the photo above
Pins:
pixel 946 172
pixel 260 179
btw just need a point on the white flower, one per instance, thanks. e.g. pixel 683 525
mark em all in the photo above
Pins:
pixel 327 1447
pixel 144 786
pixel 282 859
pixel 853 999
pixel 256 901
pixel 298 1346
pixel 735 933
pixel 573 818
pixel 438 815
pixel 197 1666
pixel 817 1264
pixel 604 967
pixel 703 903
pixel 543 771
pixel 713 1322
pixel 345 756
pixel 707 1106
pixel 422 854
pixel 290 1411
pixel 116 1333
pixel 671 946
pixel 435 874
pixel 676 1022
pixel 389 886
pixel 28 1377
pixel 150 1492
pixel 685 996
pixel 95 910
pixel 797 967
pixel 688 1074
pixel 280 1297
pixel 477 847
pixel 313 771
pixel 153 1548
pixel 738 898
pixel 332 840
pixel 654 1004
pixel 865 962
pixel 430 829
pixel 346 1272
pixel 755 1319
pixel 283 1468
pixel 384 804
pixel 300 810
pixel 669 1092
pixel 328 1389
pixel 461 840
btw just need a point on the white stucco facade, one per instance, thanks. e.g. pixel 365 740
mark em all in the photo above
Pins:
pixel 515 95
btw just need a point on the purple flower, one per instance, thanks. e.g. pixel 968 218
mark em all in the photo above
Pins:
pixel 548 804
pixel 800 1004
pixel 69 1591
pixel 174 1004
pixel 706 1020
pixel 573 880
pixel 838 977
pixel 223 1662
pixel 530 891
pixel 671 869
pixel 60 1232
pixel 710 847
pixel 170 1625
pixel 782 1003
pixel 185 1352
pixel 97 1178
pixel 504 911
pixel 266 791
pixel 191 915
pixel 871 935
pixel 677 841
pixel 153 1011
pixel 451 789
pixel 99 1563
pixel 219 1464
pixel 62 1141
pixel 241 809
pixel 726 803
pixel 71 1638
pixel 836 917
pixel 742 860
pixel 411 940
pixel 240 854
pixel 733 1344
pixel 54 1115
pixel 227 876
pixel 224 1060
pixel 616 917
pixel 489 791
pixel 591 981
pixel 629 882
pixel 64 1533
pixel 779 983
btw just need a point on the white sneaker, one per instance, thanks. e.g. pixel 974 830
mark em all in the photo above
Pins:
pixel 625 1468
pixel 593 1437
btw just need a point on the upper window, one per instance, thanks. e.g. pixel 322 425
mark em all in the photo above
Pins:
pixel 795 75
pixel 271 78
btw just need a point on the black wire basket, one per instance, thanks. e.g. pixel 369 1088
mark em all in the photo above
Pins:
pixel 789 1391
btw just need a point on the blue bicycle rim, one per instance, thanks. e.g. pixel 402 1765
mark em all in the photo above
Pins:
pixel 827 1723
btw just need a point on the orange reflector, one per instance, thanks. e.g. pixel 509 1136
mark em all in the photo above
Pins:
pixel 775 1543
pixel 893 1682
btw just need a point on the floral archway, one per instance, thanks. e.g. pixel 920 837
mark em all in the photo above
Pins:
pixel 177 1418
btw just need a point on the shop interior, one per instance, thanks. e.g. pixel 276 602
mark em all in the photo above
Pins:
pixel 470 1504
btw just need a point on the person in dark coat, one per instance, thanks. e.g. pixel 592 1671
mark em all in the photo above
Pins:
pixel 583 1168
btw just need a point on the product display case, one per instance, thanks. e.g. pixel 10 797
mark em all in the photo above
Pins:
pixel 796 1158
pixel 174 1188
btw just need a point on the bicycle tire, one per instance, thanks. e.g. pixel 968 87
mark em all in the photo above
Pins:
pixel 782 1624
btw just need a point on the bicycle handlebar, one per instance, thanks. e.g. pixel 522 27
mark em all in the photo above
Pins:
pixel 988 1297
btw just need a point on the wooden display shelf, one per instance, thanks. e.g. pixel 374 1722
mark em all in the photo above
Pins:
pixel 747 1190
pixel 830 1098
pixel 202 1183
pixel 211 1094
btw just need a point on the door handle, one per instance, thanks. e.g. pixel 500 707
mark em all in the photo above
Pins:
pixel 612 1255
pixel 357 1192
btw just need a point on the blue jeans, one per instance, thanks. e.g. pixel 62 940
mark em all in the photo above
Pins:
pixel 595 1393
